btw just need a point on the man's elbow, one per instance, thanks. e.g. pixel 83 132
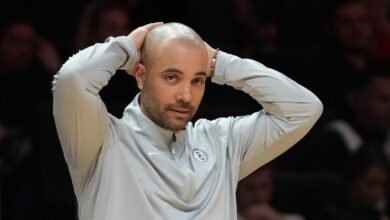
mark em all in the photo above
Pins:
pixel 315 109
pixel 68 76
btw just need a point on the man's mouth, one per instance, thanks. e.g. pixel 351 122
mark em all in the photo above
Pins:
pixel 181 112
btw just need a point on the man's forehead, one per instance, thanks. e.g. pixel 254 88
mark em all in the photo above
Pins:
pixel 173 47
pixel 179 41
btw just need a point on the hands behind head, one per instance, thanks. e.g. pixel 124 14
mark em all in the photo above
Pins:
pixel 138 36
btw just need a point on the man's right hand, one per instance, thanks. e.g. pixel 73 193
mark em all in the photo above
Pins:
pixel 138 36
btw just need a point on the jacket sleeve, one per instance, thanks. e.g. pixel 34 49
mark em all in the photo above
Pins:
pixel 80 115
pixel 289 112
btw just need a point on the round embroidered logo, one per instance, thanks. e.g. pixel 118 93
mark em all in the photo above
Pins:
pixel 200 155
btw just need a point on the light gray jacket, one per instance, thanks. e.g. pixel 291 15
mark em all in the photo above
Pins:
pixel 130 168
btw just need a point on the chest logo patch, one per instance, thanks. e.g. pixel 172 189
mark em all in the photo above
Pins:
pixel 200 155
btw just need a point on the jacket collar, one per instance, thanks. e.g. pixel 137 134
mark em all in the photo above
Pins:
pixel 144 126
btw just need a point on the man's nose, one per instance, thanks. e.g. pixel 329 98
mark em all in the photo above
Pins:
pixel 184 94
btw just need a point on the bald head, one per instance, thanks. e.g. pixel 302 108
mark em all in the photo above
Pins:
pixel 161 34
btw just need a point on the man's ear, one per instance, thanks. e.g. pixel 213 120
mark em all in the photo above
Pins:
pixel 139 74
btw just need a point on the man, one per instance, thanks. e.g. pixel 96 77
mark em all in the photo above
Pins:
pixel 154 163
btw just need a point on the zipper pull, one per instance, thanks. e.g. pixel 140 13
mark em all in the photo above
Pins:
pixel 174 137
pixel 173 151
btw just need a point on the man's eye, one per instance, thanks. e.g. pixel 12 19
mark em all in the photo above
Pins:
pixel 198 81
pixel 170 77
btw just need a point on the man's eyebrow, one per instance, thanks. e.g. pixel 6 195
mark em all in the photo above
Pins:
pixel 202 73
pixel 173 70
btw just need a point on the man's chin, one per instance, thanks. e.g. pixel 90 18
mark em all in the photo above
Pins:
pixel 177 128
pixel 177 125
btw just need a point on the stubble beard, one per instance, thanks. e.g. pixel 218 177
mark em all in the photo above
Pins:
pixel 162 119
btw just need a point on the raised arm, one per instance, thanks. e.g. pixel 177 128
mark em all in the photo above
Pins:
pixel 289 111
pixel 80 115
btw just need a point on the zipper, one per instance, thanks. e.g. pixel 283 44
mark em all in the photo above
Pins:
pixel 173 150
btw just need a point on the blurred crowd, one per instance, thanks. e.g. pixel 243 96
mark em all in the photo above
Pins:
pixel 339 49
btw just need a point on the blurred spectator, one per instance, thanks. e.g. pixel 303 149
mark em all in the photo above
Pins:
pixel 254 197
pixel 366 177
pixel 100 21
pixel 257 21
pixel 346 52
pixel 23 50
pixel 344 59
pixel 259 28
pixel 366 120
pixel 378 13
pixel 352 31
pixel 27 64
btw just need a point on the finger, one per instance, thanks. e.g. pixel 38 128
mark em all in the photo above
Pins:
pixel 140 32
pixel 153 25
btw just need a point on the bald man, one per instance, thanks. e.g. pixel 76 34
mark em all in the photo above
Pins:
pixel 154 163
